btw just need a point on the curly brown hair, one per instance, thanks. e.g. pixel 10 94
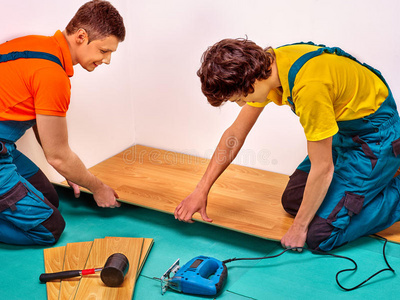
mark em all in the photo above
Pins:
pixel 100 19
pixel 231 67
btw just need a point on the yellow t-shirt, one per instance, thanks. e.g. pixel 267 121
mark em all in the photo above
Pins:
pixel 327 89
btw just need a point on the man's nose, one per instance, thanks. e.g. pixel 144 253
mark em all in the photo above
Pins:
pixel 107 59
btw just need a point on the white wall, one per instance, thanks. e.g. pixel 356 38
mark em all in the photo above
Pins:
pixel 150 93
pixel 100 118
pixel 170 37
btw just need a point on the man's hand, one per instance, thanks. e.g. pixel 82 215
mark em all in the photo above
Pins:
pixel 105 196
pixel 195 202
pixel 295 237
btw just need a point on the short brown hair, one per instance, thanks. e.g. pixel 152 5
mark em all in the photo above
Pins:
pixel 100 19
pixel 231 67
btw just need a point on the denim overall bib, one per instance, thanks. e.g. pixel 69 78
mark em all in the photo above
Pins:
pixel 22 207
pixel 363 197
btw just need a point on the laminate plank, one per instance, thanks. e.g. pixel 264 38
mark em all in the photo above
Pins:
pixel 76 256
pixel 91 286
pixel 147 245
pixel 242 199
pixel 53 262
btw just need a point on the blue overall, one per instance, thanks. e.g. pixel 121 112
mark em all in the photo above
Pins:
pixel 28 202
pixel 363 197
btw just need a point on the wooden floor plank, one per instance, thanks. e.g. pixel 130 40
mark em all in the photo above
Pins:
pixel 53 262
pixel 147 245
pixel 242 199
pixel 91 286
pixel 76 256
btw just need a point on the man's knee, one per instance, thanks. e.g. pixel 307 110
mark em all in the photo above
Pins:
pixel 293 194
pixel 55 224
pixel 290 206
pixel 318 231
pixel 46 233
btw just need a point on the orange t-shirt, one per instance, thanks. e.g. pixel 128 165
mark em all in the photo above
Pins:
pixel 31 86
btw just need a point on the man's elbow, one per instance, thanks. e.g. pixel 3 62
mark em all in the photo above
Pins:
pixel 58 159
pixel 55 161
pixel 328 171
pixel 234 138
pixel 324 171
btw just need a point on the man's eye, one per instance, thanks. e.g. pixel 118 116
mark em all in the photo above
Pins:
pixel 102 51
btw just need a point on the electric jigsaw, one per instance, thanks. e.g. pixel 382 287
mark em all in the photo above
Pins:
pixel 201 275
pixel 206 276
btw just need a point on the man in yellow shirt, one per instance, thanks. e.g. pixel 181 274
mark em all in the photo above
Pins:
pixel 344 188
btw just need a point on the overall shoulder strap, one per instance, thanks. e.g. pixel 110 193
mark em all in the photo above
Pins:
pixel 30 54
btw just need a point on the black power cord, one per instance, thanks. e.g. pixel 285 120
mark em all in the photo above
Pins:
pixel 389 268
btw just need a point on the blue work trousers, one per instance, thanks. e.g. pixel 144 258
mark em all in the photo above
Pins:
pixel 363 197
pixel 28 201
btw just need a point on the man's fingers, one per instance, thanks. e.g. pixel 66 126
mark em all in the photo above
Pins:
pixel 298 249
pixel 185 216
pixel 182 215
pixel 75 188
pixel 177 210
pixel 285 246
pixel 115 204
pixel 178 213
pixel 77 192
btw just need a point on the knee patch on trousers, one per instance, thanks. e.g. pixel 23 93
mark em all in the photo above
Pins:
pixel 32 218
pixel 293 194
pixel 55 223
pixel 321 229
pixel 318 231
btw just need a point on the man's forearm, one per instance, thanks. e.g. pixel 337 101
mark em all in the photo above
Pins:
pixel 314 194
pixel 52 134
pixel 72 168
pixel 226 151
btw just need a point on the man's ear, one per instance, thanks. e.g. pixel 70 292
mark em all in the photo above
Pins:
pixel 81 36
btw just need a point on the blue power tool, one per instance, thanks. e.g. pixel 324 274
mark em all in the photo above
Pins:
pixel 201 275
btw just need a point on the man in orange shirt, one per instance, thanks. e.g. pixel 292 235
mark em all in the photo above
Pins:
pixel 35 92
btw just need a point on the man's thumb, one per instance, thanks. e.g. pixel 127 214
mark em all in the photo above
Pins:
pixel 204 216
